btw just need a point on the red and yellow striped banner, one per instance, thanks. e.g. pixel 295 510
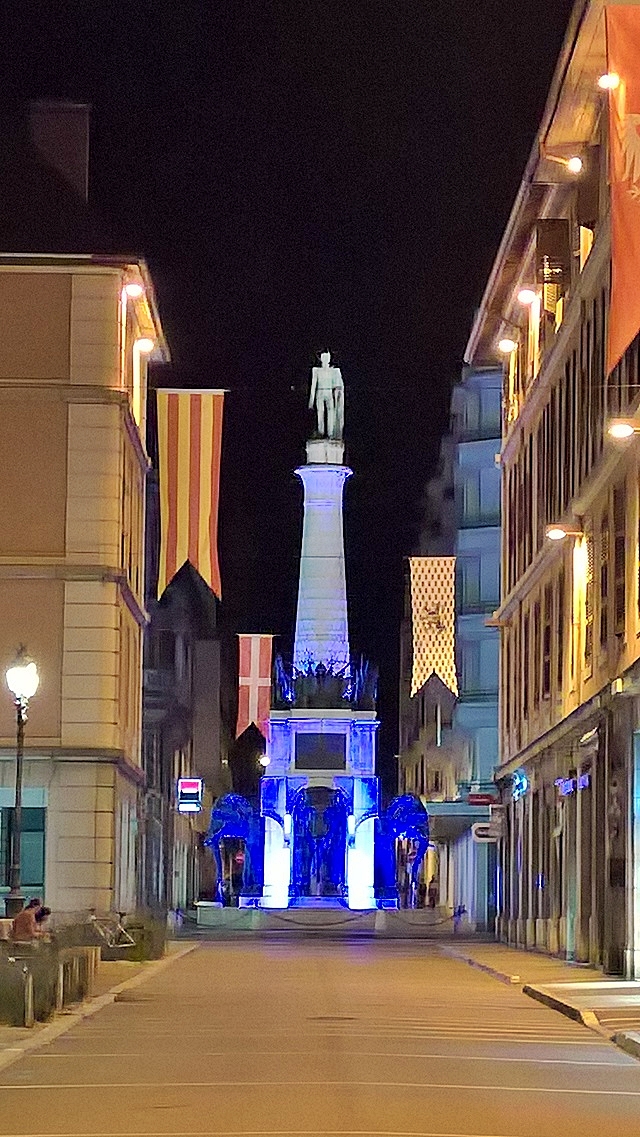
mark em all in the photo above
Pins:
pixel 189 447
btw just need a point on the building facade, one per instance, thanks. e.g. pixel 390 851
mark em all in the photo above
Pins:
pixel 570 608
pixel 449 731
pixel 78 329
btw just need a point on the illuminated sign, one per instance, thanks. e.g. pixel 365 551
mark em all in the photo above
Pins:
pixel 568 786
pixel 519 785
pixel 189 795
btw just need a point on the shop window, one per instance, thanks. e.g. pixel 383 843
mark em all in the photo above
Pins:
pixel 31 846
pixel 536 652
pixel 525 667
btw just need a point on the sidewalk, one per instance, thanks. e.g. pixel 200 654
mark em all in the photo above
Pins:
pixel 111 977
pixel 608 1005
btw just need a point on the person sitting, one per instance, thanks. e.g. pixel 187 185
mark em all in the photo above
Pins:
pixel 25 926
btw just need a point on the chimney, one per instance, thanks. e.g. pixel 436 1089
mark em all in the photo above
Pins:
pixel 60 134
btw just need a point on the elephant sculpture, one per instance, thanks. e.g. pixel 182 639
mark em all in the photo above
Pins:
pixel 406 816
pixel 233 817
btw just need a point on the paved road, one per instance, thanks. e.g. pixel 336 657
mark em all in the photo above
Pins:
pixel 323 1038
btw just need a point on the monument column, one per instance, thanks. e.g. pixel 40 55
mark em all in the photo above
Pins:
pixel 322 631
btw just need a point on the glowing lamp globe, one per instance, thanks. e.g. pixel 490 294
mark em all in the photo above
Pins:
pixel 556 533
pixel 575 165
pixel 609 81
pixel 506 346
pixel 23 679
pixel 265 761
pixel 526 296
pixel 620 430
pixel 133 290
pixel 144 345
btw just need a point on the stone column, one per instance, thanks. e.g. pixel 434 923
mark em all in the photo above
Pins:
pixel 322 633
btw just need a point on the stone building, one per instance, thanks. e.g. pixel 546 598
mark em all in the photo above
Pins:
pixel 569 614
pixel 79 325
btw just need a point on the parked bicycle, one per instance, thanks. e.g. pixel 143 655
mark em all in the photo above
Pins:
pixel 111 930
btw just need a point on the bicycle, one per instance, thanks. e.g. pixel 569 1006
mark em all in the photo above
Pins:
pixel 111 930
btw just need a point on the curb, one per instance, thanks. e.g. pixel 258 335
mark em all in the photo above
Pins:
pixel 501 976
pixel 629 1041
pixel 86 1010
pixel 569 1010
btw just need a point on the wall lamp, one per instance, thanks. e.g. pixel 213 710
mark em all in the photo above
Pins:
pixel 609 81
pixel 559 532
pixel 622 428
pixel 507 345
pixel 574 163
pixel 527 296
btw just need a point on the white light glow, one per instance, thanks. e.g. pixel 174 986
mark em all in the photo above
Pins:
pixel 620 430
pixel 556 533
pixel 133 290
pixel 506 346
pixel 526 296
pixel 265 760
pixel 575 165
pixel 609 81
pixel 144 345
pixel 23 679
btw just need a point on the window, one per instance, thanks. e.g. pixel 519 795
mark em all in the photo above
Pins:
pixel 560 632
pixel 468 579
pixel 588 609
pixel 525 667
pixel 546 642
pixel 604 580
pixel 536 653
pixel 619 556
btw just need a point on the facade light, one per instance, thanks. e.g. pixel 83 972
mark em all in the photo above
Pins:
pixel 609 81
pixel 575 165
pixel 559 532
pixel 133 290
pixel 144 345
pixel 264 760
pixel 526 296
pixel 620 429
pixel 506 345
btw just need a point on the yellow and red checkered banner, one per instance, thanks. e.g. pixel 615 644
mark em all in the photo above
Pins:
pixel 433 619
pixel 189 448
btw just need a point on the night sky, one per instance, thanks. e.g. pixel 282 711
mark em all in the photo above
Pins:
pixel 304 174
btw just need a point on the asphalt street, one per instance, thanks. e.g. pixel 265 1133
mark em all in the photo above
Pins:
pixel 314 1037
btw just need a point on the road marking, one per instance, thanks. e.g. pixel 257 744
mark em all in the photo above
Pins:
pixel 83 1086
pixel 622 1062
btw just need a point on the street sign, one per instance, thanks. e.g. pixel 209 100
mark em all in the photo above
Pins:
pixel 481 833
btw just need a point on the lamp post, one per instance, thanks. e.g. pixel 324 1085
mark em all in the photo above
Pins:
pixel 22 681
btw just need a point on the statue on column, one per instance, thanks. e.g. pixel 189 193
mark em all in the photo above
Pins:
pixel 327 392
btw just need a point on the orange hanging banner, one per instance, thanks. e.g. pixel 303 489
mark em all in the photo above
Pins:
pixel 189 448
pixel 623 55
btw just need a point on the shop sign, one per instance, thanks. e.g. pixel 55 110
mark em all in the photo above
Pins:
pixel 481 799
pixel 189 797
pixel 567 786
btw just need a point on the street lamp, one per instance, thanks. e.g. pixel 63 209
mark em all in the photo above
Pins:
pixel 22 680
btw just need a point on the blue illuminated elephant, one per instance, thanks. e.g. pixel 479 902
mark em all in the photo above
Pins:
pixel 406 816
pixel 233 817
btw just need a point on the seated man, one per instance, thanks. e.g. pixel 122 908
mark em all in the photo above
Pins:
pixel 25 925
